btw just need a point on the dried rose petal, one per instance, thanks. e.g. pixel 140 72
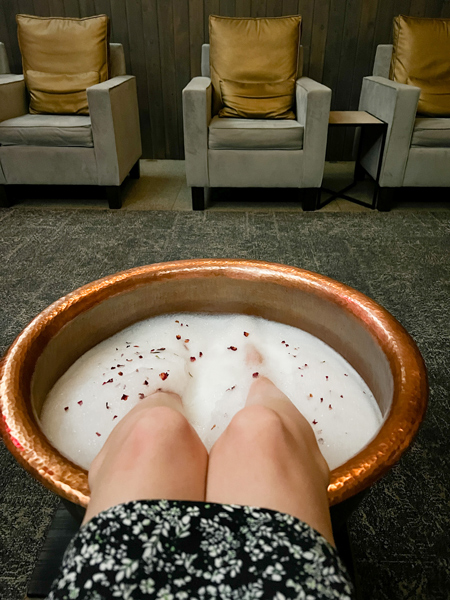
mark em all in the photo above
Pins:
pixel 124 397
pixel 129 360
pixel 164 376
pixel 135 346
pixel 310 395
pixel 120 373
pixel 321 399
pixel 255 375
pixel 80 402
pixel 192 359
pixel 342 396
pixel 177 321
pixel 178 337
pixel 145 382
pixel 330 407
pixel 212 427
pixel 200 354
pixel 283 342
pixel 232 348
pixel 114 417
pixel 107 406
pixel 66 408
pixel 161 349
pixel 109 381
pixel 230 388
pixel 120 365
pixel 140 356
pixel 113 367
pixel 186 341
pixel 345 375
pixel 314 422
pixel 97 433
pixel 246 333
pixel 141 396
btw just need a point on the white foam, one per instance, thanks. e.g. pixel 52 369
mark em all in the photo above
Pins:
pixel 84 405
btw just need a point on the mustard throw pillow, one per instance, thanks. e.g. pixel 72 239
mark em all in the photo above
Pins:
pixel 61 58
pixel 421 57
pixel 254 65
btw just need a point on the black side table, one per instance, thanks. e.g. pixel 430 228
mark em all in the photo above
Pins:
pixel 364 120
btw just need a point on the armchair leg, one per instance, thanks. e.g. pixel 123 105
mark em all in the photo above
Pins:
pixel 5 202
pixel 135 172
pixel 310 198
pixel 198 198
pixel 113 196
pixel 385 198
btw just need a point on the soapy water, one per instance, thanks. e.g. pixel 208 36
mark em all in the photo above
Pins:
pixel 202 357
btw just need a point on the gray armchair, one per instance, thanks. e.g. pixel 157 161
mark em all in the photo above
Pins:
pixel 228 152
pixel 101 148
pixel 417 150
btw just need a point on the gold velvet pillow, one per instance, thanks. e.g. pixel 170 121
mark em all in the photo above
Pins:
pixel 421 57
pixel 61 58
pixel 254 65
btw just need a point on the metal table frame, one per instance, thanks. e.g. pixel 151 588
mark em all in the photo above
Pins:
pixel 350 119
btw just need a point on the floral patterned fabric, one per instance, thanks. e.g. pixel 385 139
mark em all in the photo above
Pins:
pixel 178 550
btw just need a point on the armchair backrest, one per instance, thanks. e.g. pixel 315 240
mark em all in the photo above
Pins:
pixel 205 61
pixel 382 63
pixel 4 65
pixel 117 59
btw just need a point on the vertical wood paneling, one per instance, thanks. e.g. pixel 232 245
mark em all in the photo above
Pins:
pixel 169 80
pixel 57 8
pixel 243 8
pixel 72 8
pixel 26 7
pixel 139 69
pixel 162 42
pixel 182 61
pixel 305 8
pixel 318 40
pixel 87 8
pixel 212 7
pixel 196 35
pixel 154 75
pixel 259 8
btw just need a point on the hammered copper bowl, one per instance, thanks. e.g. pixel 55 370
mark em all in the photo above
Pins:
pixel 365 334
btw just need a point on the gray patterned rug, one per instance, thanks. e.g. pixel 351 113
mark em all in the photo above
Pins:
pixel 402 260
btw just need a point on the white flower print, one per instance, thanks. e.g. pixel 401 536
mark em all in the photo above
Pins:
pixel 175 550
pixel 274 572
pixel 147 586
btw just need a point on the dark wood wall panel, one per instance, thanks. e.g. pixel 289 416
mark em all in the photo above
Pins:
pixel 162 41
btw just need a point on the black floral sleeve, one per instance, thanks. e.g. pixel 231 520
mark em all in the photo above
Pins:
pixel 177 550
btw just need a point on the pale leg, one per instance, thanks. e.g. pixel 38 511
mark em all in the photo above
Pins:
pixel 153 453
pixel 268 457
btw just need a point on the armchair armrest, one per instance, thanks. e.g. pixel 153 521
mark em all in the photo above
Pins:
pixel 197 106
pixel 13 98
pixel 313 109
pixel 395 104
pixel 114 111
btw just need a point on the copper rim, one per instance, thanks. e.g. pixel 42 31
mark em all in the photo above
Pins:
pixel 27 443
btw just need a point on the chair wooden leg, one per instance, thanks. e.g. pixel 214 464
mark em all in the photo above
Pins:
pixel 113 196
pixel 385 198
pixel 135 172
pixel 198 198
pixel 5 202
pixel 310 198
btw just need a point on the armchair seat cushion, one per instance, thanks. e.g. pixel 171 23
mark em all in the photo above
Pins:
pixel 255 134
pixel 431 133
pixel 47 130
